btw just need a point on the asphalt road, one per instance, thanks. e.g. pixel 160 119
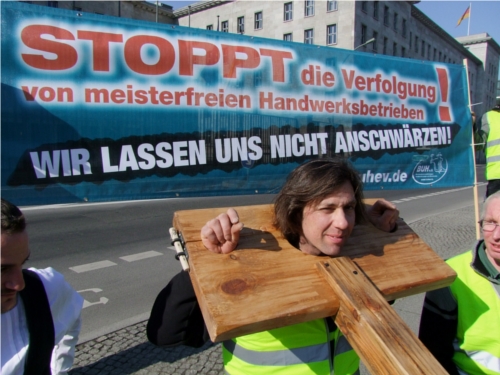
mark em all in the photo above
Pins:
pixel 118 255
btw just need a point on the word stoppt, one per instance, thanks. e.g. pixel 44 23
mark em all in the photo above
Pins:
pixel 183 54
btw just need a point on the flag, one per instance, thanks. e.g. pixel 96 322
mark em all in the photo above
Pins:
pixel 465 15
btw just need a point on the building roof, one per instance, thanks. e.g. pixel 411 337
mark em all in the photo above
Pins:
pixel 479 38
pixel 163 9
pixel 199 6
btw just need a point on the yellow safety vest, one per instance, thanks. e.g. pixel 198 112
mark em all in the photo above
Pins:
pixel 493 146
pixel 299 349
pixel 477 345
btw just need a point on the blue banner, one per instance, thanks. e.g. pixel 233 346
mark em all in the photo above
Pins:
pixel 99 108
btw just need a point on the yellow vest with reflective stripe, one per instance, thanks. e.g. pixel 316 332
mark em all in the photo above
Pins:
pixel 493 146
pixel 299 349
pixel 477 346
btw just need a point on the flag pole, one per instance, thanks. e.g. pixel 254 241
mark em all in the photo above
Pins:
pixel 470 15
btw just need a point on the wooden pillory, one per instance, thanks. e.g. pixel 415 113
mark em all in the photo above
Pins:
pixel 267 283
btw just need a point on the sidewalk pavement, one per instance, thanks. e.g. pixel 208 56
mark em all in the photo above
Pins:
pixel 127 351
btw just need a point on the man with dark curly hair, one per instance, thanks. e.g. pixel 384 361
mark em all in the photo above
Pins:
pixel 316 211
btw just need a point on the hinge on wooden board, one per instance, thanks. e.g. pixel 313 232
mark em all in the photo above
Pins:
pixel 178 243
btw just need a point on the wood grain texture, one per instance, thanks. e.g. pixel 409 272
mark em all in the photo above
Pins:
pixel 267 283
pixel 377 333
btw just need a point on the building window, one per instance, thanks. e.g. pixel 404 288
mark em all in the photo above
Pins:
pixel 395 23
pixel 416 44
pixel 288 12
pixel 241 25
pixel 375 10
pixel 363 33
pixel 287 37
pixel 210 27
pixel 332 6
pixel 309 36
pixel 434 58
pixel 309 8
pixel 394 49
pixel 331 34
pixel 386 15
pixel 428 52
pixel 224 26
pixel 403 28
pixel 439 56
pixel 364 6
pixel 411 38
pixel 423 49
pixel 384 47
pixel 374 44
pixel 403 52
pixel 258 21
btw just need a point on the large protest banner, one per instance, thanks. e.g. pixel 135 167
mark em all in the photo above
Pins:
pixel 100 108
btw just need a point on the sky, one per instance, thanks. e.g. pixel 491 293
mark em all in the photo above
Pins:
pixel 484 15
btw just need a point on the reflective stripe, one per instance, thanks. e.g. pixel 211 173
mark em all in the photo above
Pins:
pixel 494 142
pixel 486 359
pixel 286 357
pixel 342 346
pixel 493 159
pixel 441 313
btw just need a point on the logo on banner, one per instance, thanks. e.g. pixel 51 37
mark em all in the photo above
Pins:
pixel 430 169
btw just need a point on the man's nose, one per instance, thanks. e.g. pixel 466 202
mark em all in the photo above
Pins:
pixel 496 232
pixel 15 280
pixel 340 219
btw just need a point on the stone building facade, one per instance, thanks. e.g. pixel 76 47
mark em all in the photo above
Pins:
pixel 488 51
pixel 137 10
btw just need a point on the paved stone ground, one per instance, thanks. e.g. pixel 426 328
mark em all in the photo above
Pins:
pixel 127 351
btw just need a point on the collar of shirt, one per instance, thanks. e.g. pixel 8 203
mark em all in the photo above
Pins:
pixel 482 264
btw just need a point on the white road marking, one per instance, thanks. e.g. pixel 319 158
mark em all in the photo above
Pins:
pixel 102 300
pixel 139 256
pixel 88 204
pixel 92 266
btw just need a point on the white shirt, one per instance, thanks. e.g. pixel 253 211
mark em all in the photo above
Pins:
pixel 66 306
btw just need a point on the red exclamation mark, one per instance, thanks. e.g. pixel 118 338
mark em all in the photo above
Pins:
pixel 444 111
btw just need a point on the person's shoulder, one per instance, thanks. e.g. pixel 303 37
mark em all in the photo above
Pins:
pixel 460 258
pixel 48 275
pixel 56 287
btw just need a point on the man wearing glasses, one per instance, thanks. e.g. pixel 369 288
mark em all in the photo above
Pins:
pixel 460 324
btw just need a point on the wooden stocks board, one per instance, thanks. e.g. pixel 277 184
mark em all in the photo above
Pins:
pixel 267 283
